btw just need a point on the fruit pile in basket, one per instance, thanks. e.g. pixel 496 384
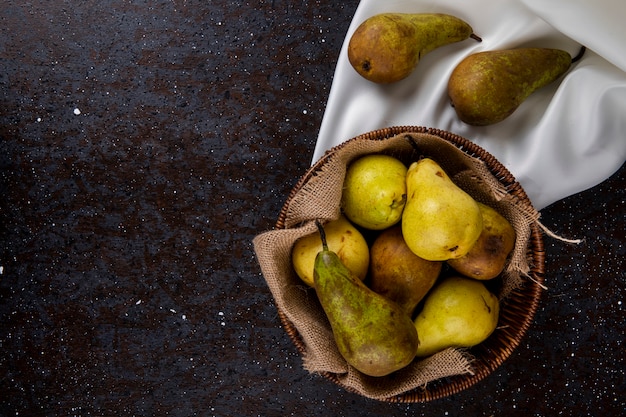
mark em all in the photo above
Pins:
pixel 402 273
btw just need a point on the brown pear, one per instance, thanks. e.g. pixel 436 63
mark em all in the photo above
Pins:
pixel 387 47
pixel 399 274
pixel 487 258
pixel 487 87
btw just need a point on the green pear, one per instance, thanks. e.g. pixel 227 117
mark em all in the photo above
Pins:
pixel 343 238
pixel 487 87
pixel 458 312
pixel 387 47
pixel 487 258
pixel 440 221
pixel 399 274
pixel 374 191
pixel 372 333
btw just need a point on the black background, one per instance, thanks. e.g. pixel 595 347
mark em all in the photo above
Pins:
pixel 143 144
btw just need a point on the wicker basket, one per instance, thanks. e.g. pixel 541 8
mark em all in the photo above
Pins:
pixel 517 311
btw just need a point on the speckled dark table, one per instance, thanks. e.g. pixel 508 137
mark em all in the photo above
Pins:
pixel 143 144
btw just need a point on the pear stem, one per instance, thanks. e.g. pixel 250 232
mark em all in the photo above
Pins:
pixel 322 234
pixel 476 37
pixel 413 143
pixel 580 54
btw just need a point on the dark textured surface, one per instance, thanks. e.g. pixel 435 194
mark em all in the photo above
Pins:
pixel 143 144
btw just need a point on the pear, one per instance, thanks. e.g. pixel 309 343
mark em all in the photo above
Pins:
pixel 387 47
pixel 487 258
pixel 374 191
pixel 399 274
pixel 372 333
pixel 459 312
pixel 440 221
pixel 487 87
pixel 344 239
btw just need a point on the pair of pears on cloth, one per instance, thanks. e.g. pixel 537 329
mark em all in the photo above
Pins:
pixel 565 138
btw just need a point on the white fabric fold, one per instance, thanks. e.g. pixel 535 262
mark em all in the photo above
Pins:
pixel 565 138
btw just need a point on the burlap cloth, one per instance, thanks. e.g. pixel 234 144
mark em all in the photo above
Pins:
pixel 319 198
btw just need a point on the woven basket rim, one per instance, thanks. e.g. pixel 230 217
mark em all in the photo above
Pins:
pixel 518 310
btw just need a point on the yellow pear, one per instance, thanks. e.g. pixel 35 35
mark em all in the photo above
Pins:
pixel 458 312
pixel 343 238
pixel 374 191
pixel 487 258
pixel 397 273
pixel 440 221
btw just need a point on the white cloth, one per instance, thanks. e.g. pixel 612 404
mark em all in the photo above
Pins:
pixel 565 138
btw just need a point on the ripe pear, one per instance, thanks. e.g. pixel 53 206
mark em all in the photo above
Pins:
pixel 397 273
pixel 487 258
pixel 387 47
pixel 487 87
pixel 343 238
pixel 459 312
pixel 374 191
pixel 440 221
pixel 372 333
